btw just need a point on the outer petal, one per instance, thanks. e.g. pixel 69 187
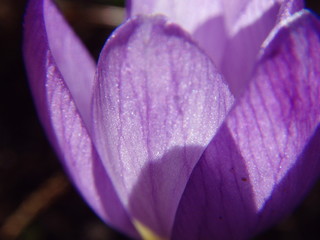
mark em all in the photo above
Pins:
pixel 240 14
pixel 203 19
pixel 58 111
pixel 157 104
pixel 189 14
pixel 290 7
pixel 245 35
pixel 72 58
pixel 265 156
pixel 230 32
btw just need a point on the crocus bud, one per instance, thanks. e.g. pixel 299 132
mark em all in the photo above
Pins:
pixel 199 121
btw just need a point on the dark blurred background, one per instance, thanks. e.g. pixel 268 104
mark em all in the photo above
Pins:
pixel 36 200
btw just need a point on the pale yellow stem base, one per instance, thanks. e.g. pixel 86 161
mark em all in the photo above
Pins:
pixel 145 232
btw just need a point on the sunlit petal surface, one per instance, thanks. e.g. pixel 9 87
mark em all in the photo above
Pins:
pixel 264 158
pixel 72 58
pixel 230 32
pixel 147 135
pixel 58 110
pixel 158 102
pixel 246 33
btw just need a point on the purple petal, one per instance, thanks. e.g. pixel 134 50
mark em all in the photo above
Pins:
pixel 290 7
pixel 245 36
pixel 188 14
pixel 265 156
pixel 203 19
pixel 72 58
pixel 230 32
pixel 240 13
pixel 157 104
pixel 59 113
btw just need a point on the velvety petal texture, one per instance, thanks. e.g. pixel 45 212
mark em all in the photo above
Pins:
pixel 203 19
pixel 230 32
pixel 189 14
pixel 246 34
pixel 148 136
pixel 53 56
pixel 158 101
pixel 289 7
pixel 72 58
pixel 265 156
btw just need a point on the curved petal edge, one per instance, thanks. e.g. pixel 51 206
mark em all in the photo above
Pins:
pixel 63 123
pixel 264 158
pixel 158 102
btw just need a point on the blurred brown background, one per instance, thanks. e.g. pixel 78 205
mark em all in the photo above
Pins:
pixel 33 189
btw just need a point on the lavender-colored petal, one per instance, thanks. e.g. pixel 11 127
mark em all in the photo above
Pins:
pixel 189 14
pixel 72 58
pixel 240 13
pixel 157 104
pixel 265 156
pixel 245 35
pixel 59 113
pixel 290 7
pixel 204 19
pixel 230 32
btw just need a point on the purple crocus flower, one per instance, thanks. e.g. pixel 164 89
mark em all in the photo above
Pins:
pixel 200 123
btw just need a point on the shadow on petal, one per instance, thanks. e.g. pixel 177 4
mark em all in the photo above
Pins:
pixel 298 181
pixel 212 38
pixel 150 203
pixel 218 201
pixel 241 51
pixel 110 201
